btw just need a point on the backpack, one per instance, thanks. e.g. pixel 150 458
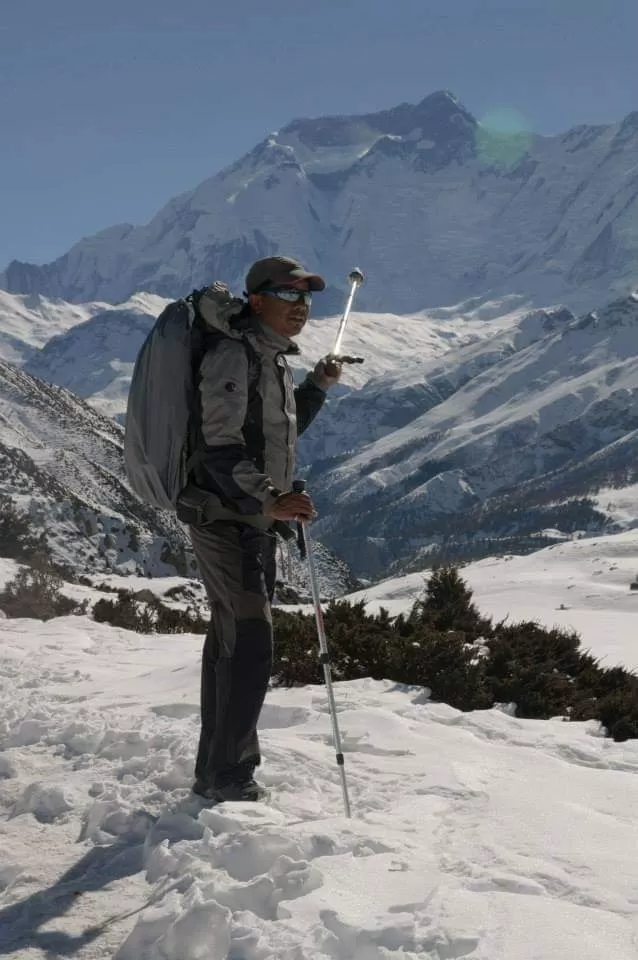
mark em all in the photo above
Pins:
pixel 163 394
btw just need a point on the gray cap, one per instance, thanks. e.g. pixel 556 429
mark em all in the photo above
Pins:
pixel 276 271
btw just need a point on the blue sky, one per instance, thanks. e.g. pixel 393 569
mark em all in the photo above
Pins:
pixel 108 109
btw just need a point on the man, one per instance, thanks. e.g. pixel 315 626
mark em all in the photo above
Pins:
pixel 250 415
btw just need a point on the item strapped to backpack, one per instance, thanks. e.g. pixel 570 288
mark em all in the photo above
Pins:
pixel 163 394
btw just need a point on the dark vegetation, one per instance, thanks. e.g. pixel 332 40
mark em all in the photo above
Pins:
pixel 443 643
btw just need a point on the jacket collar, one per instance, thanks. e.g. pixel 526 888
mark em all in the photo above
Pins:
pixel 269 340
pixel 216 318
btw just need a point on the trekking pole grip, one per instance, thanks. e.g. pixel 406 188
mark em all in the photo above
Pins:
pixel 299 486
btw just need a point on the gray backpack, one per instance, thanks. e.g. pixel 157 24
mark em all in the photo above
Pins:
pixel 163 394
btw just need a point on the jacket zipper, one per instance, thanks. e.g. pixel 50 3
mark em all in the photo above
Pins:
pixel 285 378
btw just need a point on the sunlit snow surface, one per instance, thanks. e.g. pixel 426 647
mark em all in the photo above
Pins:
pixel 473 835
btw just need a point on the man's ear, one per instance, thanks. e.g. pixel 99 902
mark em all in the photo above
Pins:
pixel 255 301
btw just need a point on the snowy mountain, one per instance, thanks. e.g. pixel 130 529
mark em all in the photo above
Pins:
pixel 470 429
pixel 493 442
pixel 433 205
pixel 439 354
pixel 95 359
pixel 28 322
pixel 61 462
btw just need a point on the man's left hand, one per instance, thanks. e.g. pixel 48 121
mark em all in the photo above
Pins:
pixel 327 372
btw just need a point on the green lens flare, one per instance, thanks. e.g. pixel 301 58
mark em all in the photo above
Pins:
pixel 502 138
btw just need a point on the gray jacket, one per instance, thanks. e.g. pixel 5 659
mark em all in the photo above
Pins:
pixel 249 415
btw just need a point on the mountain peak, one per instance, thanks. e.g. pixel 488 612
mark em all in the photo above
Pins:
pixel 433 115
pixel 435 206
pixel 443 101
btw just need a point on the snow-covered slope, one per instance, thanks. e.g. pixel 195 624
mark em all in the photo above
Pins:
pixel 555 415
pixel 29 321
pixel 475 836
pixel 61 461
pixel 578 584
pixel 465 430
pixel 619 503
pixel 439 353
pixel 435 207
pixel 95 359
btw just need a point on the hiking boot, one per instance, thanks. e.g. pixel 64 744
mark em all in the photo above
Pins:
pixel 233 786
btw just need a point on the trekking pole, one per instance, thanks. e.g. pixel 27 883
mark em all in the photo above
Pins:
pixel 299 486
pixel 356 278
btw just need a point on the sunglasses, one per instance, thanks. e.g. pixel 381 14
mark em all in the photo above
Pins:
pixel 288 294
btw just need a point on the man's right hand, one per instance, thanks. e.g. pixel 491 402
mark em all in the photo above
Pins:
pixel 292 506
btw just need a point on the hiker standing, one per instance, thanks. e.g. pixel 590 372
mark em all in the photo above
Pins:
pixel 242 442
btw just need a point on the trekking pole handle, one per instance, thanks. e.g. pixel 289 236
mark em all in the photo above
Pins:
pixel 356 278
pixel 299 486
pixel 347 359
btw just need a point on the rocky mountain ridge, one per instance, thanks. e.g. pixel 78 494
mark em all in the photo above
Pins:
pixel 434 206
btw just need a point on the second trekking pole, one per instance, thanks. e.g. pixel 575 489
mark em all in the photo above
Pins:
pixel 299 486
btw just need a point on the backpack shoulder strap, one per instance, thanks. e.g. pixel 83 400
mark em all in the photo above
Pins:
pixel 254 368
pixel 204 340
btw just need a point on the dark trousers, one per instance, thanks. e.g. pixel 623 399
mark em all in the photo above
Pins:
pixel 237 564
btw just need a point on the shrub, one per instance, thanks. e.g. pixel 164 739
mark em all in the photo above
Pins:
pixel 534 668
pixel 447 605
pixel 147 615
pixel 37 593
pixel 618 711
pixel 443 643
pixel 464 659
pixel 17 542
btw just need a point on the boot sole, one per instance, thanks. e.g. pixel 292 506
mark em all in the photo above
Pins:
pixel 215 796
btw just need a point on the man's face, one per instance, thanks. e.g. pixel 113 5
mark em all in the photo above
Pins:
pixel 287 318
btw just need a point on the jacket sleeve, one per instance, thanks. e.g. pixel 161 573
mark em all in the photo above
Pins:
pixel 223 396
pixel 309 399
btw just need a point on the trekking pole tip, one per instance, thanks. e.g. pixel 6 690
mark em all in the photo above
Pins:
pixel 356 276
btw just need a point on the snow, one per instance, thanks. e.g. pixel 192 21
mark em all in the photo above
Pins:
pixel 28 321
pixel 551 381
pixel 95 359
pixel 402 345
pixel 454 407
pixel 62 465
pixel 475 835
pixel 413 195
pixel 545 399
pixel 620 504
pixel 579 584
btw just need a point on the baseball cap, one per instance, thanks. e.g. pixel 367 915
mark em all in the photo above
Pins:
pixel 275 271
